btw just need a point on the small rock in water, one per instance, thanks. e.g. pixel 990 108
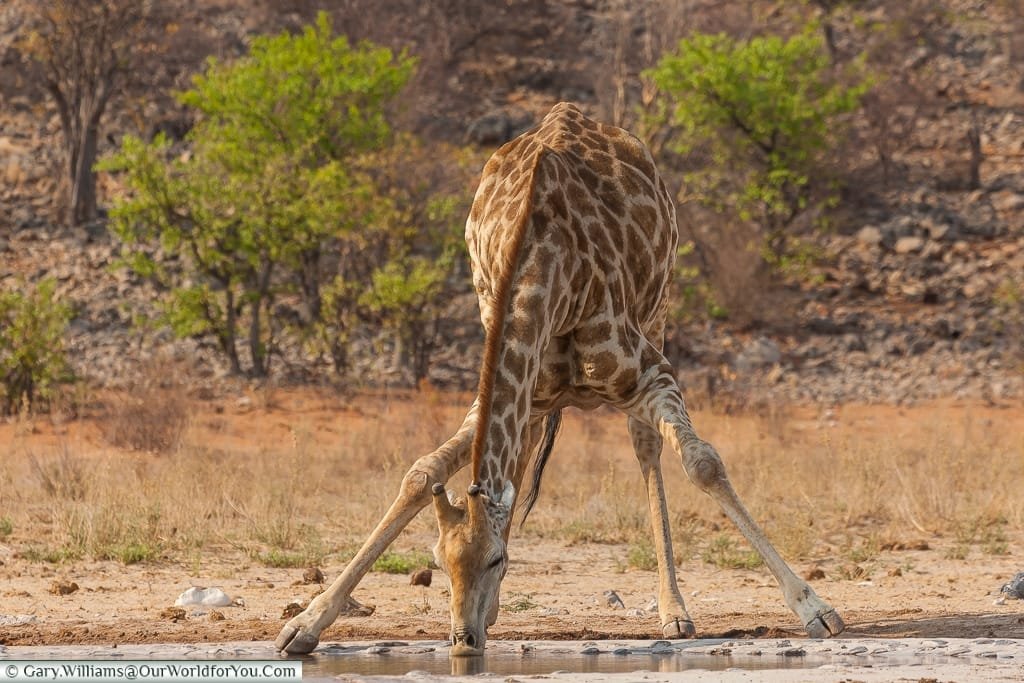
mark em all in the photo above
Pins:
pixel 1014 590
pixel 211 597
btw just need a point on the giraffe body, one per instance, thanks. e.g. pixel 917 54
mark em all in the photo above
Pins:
pixel 572 237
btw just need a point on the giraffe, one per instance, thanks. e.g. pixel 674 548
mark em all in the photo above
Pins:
pixel 572 237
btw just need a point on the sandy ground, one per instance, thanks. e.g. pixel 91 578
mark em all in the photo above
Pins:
pixel 552 591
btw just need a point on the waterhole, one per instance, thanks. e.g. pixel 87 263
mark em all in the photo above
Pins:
pixel 331 661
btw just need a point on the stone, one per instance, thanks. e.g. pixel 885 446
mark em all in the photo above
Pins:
pixel 210 597
pixel 1007 201
pixel 762 352
pixel 314 575
pixel 869 235
pixel 496 128
pixel 1014 589
pixel 613 600
pixel 422 577
pixel 908 245
pixel 63 587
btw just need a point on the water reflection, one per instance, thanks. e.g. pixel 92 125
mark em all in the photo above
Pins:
pixel 438 663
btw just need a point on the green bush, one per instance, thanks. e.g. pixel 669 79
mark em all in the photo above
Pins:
pixel 755 121
pixel 32 359
pixel 279 180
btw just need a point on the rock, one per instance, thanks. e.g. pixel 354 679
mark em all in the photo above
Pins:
pixel 814 574
pixel 174 614
pixel 63 587
pixel 17 620
pixel 760 353
pixel 1007 201
pixel 497 127
pixel 908 245
pixel 938 231
pixel 869 235
pixel 291 609
pixel 613 600
pixel 1014 590
pixel 312 575
pixel 210 597
pixel 421 577
pixel 216 616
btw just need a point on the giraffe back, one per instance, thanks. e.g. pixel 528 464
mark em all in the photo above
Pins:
pixel 576 210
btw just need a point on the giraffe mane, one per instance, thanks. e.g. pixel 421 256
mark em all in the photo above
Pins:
pixel 496 334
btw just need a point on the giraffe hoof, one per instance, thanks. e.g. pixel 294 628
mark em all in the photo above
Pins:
pixel 825 625
pixel 679 628
pixel 295 642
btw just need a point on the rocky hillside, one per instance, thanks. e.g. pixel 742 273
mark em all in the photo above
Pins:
pixel 923 277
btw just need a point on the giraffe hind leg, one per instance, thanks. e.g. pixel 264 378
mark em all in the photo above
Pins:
pixel 301 634
pixel 661 405
pixel 675 620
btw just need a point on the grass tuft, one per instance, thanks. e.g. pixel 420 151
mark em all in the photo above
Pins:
pixel 402 563
pixel 723 553
pixel 642 555
pixel 519 602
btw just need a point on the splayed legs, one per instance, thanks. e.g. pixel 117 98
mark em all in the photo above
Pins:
pixel 661 406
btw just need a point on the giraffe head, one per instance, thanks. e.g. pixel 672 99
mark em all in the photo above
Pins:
pixel 471 550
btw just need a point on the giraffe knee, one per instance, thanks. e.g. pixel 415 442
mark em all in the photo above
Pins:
pixel 703 465
pixel 416 486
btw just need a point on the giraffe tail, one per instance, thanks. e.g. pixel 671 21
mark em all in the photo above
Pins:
pixel 551 424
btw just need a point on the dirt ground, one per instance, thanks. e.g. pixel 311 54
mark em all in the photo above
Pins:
pixel 555 588
pixel 552 592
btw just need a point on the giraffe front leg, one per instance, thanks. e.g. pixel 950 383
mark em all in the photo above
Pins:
pixel 704 467
pixel 675 620
pixel 662 405
pixel 302 633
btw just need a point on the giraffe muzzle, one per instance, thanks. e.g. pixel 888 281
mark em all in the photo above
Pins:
pixel 467 644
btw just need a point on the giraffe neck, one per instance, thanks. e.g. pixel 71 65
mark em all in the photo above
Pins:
pixel 513 344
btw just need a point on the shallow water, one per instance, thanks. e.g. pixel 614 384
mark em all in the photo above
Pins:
pixel 527 659
pixel 607 658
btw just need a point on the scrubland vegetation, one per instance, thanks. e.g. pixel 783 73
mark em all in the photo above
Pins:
pixel 302 480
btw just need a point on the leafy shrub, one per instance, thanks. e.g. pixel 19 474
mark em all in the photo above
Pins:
pixel 279 181
pixel 755 119
pixel 32 358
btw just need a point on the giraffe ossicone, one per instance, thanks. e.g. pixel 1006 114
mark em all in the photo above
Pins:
pixel 572 239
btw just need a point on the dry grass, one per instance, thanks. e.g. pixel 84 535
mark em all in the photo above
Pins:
pixel 152 416
pixel 307 478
